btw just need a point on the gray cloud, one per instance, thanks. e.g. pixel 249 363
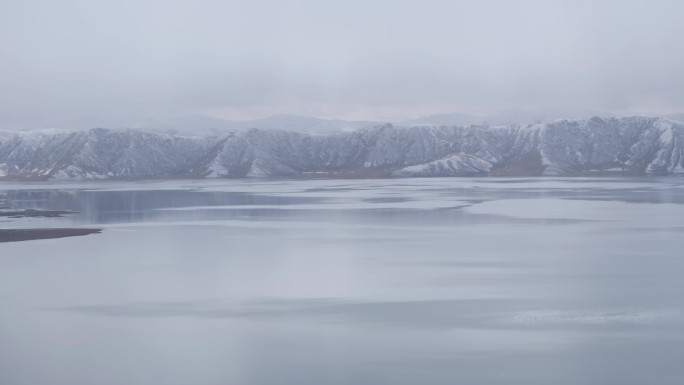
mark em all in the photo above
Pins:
pixel 99 60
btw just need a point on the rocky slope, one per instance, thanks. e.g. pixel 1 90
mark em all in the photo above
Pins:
pixel 635 145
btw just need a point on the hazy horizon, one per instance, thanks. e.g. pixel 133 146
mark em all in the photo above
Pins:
pixel 200 122
pixel 98 61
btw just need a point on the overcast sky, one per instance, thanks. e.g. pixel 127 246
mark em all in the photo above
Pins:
pixel 351 59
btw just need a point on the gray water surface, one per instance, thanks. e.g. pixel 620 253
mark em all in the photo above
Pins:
pixel 412 281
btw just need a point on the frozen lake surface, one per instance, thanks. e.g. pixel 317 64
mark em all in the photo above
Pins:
pixel 411 281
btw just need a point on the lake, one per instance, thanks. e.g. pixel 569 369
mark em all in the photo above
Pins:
pixel 394 281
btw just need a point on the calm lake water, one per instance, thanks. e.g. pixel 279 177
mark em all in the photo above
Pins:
pixel 411 281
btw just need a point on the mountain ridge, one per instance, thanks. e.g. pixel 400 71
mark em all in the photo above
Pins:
pixel 631 145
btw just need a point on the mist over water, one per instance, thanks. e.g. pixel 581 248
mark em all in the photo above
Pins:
pixel 433 281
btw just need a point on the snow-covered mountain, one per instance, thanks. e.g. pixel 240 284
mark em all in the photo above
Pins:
pixel 634 145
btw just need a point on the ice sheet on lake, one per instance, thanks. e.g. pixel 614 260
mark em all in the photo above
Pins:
pixel 577 209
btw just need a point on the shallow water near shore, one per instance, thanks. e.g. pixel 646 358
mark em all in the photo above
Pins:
pixel 395 281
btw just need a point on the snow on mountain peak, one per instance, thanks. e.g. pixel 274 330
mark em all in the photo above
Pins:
pixel 631 144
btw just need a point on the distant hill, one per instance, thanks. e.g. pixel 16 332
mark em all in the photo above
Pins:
pixel 508 118
pixel 678 117
pixel 192 124
pixel 198 124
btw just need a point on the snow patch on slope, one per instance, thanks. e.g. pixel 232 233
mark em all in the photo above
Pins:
pixel 634 144
pixel 453 165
